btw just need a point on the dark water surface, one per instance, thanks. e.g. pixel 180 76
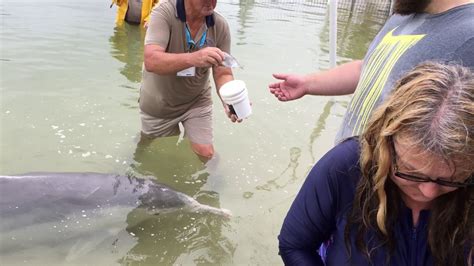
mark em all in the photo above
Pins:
pixel 69 89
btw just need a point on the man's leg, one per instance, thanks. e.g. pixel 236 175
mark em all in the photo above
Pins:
pixel 153 127
pixel 205 151
pixel 198 129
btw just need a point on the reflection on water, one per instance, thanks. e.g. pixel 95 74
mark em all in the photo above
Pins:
pixel 177 238
pixel 358 22
pixel 245 20
pixel 127 47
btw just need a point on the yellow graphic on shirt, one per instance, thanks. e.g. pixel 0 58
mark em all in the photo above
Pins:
pixel 377 68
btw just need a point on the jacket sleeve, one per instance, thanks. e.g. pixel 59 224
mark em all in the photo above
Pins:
pixel 147 6
pixel 311 219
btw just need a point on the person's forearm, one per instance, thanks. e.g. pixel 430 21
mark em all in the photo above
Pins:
pixel 222 75
pixel 340 80
pixel 162 63
pixel 223 79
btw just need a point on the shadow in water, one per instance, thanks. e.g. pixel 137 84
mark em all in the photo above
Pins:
pixel 172 162
pixel 127 47
pixel 287 176
pixel 180 237
pixel 320 126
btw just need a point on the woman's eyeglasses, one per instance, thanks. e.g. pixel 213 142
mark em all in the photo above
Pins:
pixel 468 182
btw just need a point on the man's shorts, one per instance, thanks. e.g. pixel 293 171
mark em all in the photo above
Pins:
pixel 197 124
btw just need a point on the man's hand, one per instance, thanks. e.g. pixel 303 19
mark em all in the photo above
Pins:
pixel 291 88
pixel 208 57
pixel 233 117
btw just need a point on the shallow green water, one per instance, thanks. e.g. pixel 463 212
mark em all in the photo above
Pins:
pixel 69 89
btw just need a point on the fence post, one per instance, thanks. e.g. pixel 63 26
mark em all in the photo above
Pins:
pixel 332 33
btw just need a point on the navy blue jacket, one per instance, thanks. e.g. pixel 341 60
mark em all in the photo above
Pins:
pixel 319 212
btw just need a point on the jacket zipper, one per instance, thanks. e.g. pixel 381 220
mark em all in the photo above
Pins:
pixel 414 249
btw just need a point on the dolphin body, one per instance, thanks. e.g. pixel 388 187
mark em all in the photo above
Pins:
pixel 38 197
pixel 78 217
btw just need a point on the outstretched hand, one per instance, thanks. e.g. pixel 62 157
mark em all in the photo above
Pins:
pixel 291 87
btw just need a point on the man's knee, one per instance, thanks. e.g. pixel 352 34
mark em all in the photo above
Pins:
pixel 204 150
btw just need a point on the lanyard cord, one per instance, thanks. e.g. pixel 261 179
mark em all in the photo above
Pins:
pixel 190 41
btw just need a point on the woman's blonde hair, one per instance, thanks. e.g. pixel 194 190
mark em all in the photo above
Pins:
pixel 433 107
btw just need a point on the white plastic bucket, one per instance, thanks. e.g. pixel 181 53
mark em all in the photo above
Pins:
pixel 235 94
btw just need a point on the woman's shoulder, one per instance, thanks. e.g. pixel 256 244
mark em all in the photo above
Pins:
pixel 346 153
pixel 339 167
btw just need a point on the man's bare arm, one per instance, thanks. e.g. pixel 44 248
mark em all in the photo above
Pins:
pixel 340 80
pixel 162 63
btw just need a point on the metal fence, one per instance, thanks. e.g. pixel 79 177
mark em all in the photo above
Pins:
pixel 382 6
pixel 361 17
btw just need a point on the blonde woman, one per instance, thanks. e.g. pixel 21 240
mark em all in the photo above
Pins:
pixel 403 192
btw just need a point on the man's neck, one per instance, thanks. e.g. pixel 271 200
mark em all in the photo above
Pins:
pixel 438 6
pixel 192 15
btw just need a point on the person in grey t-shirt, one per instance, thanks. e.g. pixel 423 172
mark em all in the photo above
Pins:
pixel 435 30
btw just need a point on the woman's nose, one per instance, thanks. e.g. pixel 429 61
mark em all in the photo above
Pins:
pixel 429 189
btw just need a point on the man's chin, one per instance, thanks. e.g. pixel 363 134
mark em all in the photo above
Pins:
pixel 208 11
pixel 407 7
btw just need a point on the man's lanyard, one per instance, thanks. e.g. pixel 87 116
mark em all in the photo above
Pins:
pixel 190 41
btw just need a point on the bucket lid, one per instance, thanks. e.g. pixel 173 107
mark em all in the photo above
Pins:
pixel 232 88
pixel 236 99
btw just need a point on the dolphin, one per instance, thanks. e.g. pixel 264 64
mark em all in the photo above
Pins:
pixel 38 197
pixel 74 217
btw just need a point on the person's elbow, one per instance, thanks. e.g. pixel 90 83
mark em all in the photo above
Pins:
pixel 286 250
pixel 153 65
pixel 285 254
pixel 151 59
pixel 294 254
pixel 150 65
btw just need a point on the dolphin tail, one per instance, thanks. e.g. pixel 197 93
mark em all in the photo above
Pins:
pixel 217 211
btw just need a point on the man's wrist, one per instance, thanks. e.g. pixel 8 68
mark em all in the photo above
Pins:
pixel 307 82
pixel 189 59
